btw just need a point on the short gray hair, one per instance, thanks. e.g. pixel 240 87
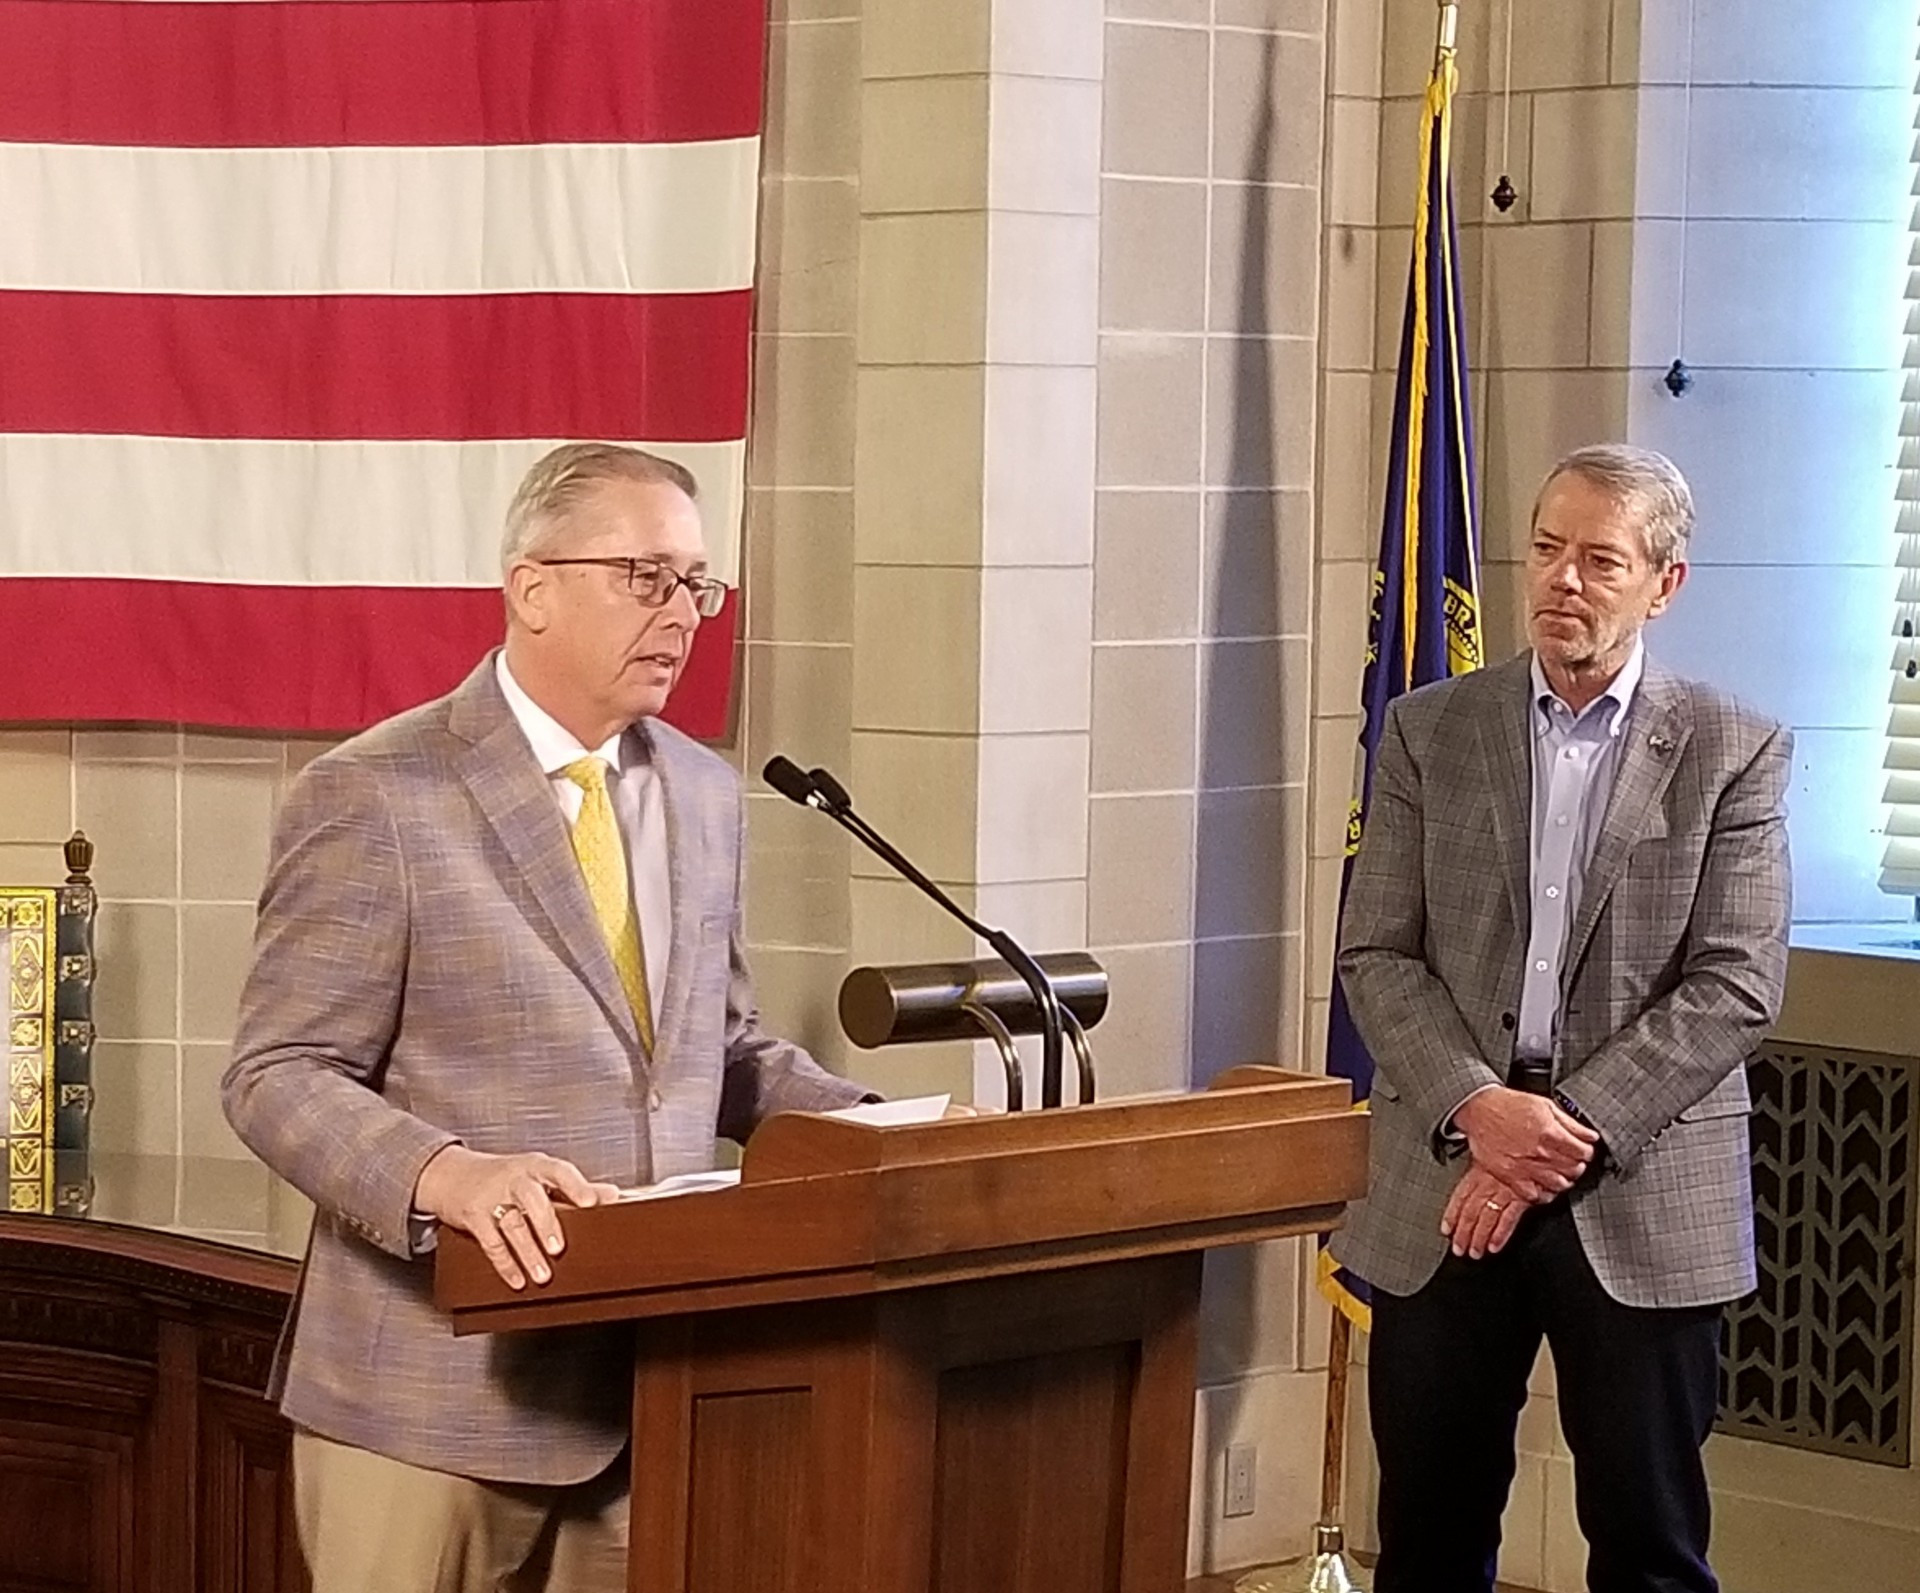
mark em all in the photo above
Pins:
pixel 563 476
pixel 1646 484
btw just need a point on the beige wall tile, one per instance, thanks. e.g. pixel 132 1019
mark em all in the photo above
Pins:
pixel 289 1216
pixel 1352 298
pixel 1323 920
pixel 1146 568
pixel 1258 580
pixel 138 1189
pixel 1260 412
pixel 802 412
pixel 1523 1526
pixel 229 746
pixel 136 994
pixel 1313 1056
pixel 1033 808
pixel 226 825
pixel 918 38
pixel 204 1130
pixel 32 863
pixel 1503 607
pixel 1142 1045
pixel 916 660
pixel 129 745
pixel 797 863
pixel 1584 164
pixel 904 1072
pixel 920 485
pixel 225 1196
pixel 36 785
pixel 1144 717
pixel 923 288
pixel 1340 637
pixel 1153 255
pixel 894 922
pixel 1149 421
pixel 1265 259
pixel 130 812
pixel 1565 48
pixel 799 566
pixel 813 100
pixel 1349 495
pixel 1637 276
pixel 809 254
pixel 1036 636
pixel 1140 869
pixel 1039 466
pixel 1531 419
pixel 811 10
pixel 1353 162
pixel 1189 11
pixel 136 1098
pixel 1249 863
pixel 1045 152
pixel 797 991
pixel 1156 97
pixel 1043 915
pixel 1336 771
pixel 923 144
pixel 302 750
pixel 1538 309
pixel 1268 90
pixel 216 950
pixel 1248 1311
pixel 1246 995
pixel 1043 281
pixel 799 701
pixel 922 793
pixel 1291 16
pixel 1356 46
pixel 1060 39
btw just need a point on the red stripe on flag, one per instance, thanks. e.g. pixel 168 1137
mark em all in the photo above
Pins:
pixel 660 368
pixel 275 657
pixel 395 72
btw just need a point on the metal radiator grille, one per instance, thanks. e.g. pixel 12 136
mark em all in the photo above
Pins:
pixel 1821 1356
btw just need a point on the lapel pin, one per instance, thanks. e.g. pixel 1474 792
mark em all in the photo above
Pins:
pixel 1660 743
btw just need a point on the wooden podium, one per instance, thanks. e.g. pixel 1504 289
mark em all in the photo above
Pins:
pixel 957 1356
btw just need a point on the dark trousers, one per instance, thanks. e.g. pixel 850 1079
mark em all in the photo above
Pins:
pixel 1447 1376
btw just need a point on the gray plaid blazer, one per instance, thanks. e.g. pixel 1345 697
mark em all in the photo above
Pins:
pixel 1672 976
pixel 427 967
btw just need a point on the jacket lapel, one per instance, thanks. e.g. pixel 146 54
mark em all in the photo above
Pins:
pixel 684 815
pixel 1506 743
pixel 513 796
pixel 1656 734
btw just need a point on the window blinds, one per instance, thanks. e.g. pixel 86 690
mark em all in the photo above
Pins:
pixel 1900 870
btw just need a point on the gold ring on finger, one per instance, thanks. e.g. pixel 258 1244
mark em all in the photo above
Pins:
pixel 500 1211
pixel 1495 1205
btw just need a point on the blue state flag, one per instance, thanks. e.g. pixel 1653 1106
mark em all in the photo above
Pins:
pixel 1424 619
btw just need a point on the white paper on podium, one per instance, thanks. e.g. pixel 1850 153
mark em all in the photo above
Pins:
pixel 893 1114
pixel 881 1114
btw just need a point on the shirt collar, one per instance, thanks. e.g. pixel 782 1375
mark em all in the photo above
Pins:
pixel 1615 701
pixel 554 746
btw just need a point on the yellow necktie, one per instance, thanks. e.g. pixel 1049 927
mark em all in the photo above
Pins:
pixel 596 843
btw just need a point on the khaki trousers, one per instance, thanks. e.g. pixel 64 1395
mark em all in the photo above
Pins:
pixel 374 1525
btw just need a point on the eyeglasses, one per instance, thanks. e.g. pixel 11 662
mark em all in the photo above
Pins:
pixel 655 583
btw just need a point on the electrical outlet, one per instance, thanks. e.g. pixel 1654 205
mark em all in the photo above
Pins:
pixel 1241 1459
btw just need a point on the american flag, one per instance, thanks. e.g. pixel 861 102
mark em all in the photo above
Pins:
pixel 292 291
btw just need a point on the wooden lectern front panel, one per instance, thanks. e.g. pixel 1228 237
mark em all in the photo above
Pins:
pixel 1026 1434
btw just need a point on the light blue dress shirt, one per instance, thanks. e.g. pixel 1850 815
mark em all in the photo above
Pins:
pixel 1575 759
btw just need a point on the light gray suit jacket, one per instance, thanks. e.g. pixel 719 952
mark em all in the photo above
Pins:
pixel 1672 975
pixel 427 967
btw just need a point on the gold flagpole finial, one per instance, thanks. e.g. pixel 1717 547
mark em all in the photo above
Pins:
pixel 1449 28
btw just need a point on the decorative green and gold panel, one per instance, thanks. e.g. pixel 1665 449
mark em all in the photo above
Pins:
pixel 46 955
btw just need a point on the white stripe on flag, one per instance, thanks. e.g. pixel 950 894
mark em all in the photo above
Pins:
pixel 559 218
pixel 295 513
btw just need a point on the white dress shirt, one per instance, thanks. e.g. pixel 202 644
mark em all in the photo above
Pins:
pixel 638 808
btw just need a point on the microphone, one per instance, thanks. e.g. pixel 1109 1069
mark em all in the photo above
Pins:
pixel 818 789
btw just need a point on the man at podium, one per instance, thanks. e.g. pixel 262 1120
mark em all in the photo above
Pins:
pixel 498 968
pixel 1565 934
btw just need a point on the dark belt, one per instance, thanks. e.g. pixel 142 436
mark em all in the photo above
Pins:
pixel 1532 1074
